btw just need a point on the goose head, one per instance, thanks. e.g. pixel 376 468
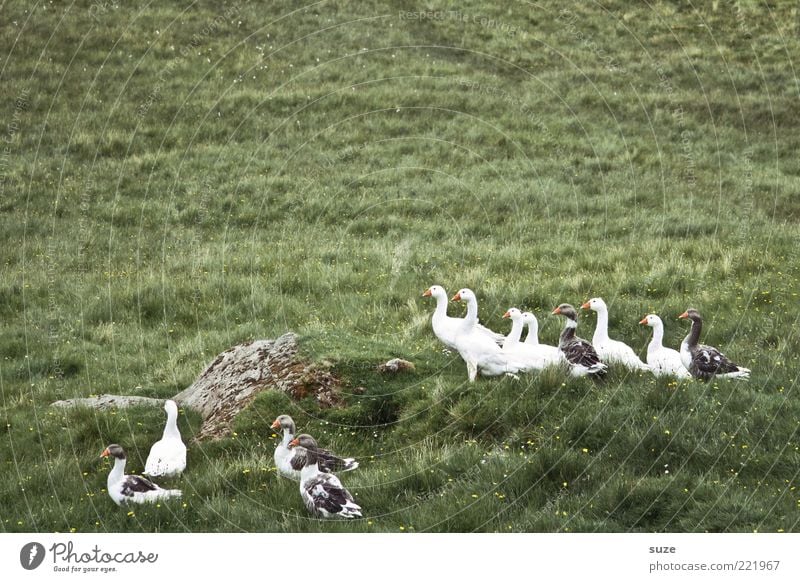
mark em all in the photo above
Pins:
pixel 171 408
pixel 651 320
pixel 435 291
pixel 115 451
pixel 513 313
pixel 595 304
pixel 567 311
pixel 306 441
pixel 529 318
pixel 692 314
pixel 464 295
pixel 284 421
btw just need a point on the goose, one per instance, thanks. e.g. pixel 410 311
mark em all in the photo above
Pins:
pixel 611 351
pixel 579 354
pixel 445 327
pixel 705 362
pixel 289 463
pixel 124 488
pixel 479 352
pixel 167 457
pixel 323 493
pixel 535 355
pixel 662 361
pixel 532 338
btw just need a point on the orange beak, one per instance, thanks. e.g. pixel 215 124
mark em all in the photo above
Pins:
pixel 506 315
pixel 557 311
pixel 585 305
pixel 456 297
pixel 683 315
pixel 294 443
pixel 105 453
pixel 426 293
pixel 644 321
pixel 276 424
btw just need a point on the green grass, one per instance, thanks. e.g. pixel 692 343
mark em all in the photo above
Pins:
pixel 174 184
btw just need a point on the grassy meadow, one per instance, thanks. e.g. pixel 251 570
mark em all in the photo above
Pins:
pixel 181 177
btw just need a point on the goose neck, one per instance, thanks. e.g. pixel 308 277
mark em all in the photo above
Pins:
pixel 516 332
pixel 472 312
pixel 171 428
pixel 694 334
pixel 441 306
pixel 533 333
pixel 568 333
pixel 117 472
pixel 658 337
pixel 601 331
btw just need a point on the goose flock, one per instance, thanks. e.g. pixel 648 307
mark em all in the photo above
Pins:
pixel 485 352
pixel 297 457
pixel 491 354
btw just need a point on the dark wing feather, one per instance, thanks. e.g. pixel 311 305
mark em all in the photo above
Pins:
pixel 135 484
pixel 327 493
pixel 580 352
pixel 298 459
pixel 708 361
pixel 330 463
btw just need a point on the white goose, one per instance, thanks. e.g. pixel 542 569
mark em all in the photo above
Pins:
pixel 288 462
pixel 124 488
pixel 662 361
pixel 532 338
pixel 167 457
pixel 536 356
pixel 446 328
pixel 611 351
pixel 323 493
pixel 479 352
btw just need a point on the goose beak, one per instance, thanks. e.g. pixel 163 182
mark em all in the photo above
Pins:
pixel 456 297
pixel 294 443
pixel 585 305
pixel 683 315
pixel 506 315
pixel 105 453
pixel 644 321
pixel 276 424
pixel 426 293
pixel 556 311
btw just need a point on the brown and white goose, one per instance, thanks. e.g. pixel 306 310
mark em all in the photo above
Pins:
pixel 323 493
pixel 124 488
pixel 288 462
pixel 579 354
pixel 705 362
